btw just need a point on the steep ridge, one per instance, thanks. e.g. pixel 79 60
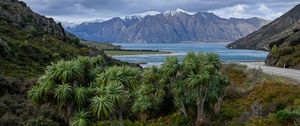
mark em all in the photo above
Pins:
pixel 29 41
pixel 280 28
pixel 167 27
pixel 281 38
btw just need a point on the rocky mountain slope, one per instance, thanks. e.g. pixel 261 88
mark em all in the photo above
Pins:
pixel 281 38
pixel 278 29
pixel 286 51
pixel 28 43
pixel 167 27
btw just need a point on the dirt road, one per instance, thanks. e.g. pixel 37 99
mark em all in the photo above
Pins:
pixel 289 73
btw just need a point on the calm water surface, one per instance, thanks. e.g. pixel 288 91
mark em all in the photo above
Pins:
pixel 180 50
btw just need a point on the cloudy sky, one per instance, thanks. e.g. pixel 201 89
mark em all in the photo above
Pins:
pixel 77 11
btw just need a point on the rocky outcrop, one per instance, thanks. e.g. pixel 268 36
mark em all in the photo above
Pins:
pixel 277 30
pixel 286 52
pixel 15 13
pixel 168 27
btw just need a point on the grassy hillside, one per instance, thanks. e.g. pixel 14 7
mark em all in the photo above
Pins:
pixel 258 99
pixel 28 43
pixel 101 46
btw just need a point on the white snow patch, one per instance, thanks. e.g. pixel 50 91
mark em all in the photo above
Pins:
pixel 140 15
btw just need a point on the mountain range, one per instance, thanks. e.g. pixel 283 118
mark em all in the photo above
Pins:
pixel 167 27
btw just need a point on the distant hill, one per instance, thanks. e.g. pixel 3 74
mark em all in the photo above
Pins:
pixel 281 37
pixel 167 27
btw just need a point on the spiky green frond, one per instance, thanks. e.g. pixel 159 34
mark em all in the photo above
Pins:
pixel 101 106
pixel 117 93
pixel 190 63
pixel 128 76
pixel 35 93
pixel 170 67
pixel 214 59
pixel 152 74
pixel 63 93
pixel 142 104
pixel 80 118
pixel 40 92
pixel 65 72
pixel 81 95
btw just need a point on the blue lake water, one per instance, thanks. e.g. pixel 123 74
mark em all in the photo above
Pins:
pixel 180 50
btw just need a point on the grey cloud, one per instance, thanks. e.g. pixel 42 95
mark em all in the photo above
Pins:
pixel 66 9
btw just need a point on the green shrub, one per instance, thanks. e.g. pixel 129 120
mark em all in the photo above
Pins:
pixel 274 50
pixel 179 120
pixel 289 115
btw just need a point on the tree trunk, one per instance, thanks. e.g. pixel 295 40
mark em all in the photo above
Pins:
pixel 183 109
pixel 198 121
pixel 201 117
pixel 217 106
pixel 203 102
pixel 121 116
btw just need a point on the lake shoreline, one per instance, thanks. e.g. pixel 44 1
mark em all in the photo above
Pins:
pixel 128 52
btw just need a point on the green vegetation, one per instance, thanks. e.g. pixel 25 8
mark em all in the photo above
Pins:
pixel 87 90
pixel 255 98
pixel 131 52
pixel 274 49
pixel 101 45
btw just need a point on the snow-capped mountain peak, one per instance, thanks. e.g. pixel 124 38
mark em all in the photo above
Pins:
pixel 153 13
pixel 177 11
pixel 140 15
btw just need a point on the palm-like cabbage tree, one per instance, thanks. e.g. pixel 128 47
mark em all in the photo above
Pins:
pixel 80 118
pixel 63 94
pixel 118 95
pixel 202 77
pixel 152 76
pixel 40 93
pixel 81 95
pixel 170 68
pixel 66 72
pixel 191 63
pixel 101 106
pixel 68 84
pixel 35 93
pixel 142 105
pixel 180 93
pixel 128 76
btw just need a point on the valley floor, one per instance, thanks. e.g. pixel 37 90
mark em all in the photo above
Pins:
pixel 289 73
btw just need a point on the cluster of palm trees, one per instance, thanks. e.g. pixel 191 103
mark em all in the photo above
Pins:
pixel 88 90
